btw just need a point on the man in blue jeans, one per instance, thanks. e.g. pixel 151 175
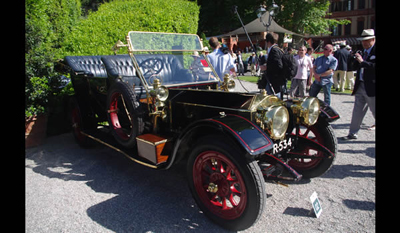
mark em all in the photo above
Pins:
pixel 324 67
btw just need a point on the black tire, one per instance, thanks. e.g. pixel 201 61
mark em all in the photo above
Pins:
pixel 229 189
pixel 322 132
pixel 124 114
pixel 79 122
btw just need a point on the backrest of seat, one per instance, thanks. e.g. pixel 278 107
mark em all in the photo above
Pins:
pixel 171 64
pixel 121 66
pixel 118 65
pixel 87 64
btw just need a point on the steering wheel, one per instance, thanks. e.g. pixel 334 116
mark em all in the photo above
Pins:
pixel 151 67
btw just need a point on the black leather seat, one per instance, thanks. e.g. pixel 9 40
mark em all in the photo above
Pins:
pixel 172 70
pixel 87 65
pixel 121 66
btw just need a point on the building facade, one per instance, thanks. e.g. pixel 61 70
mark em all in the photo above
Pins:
pixel 360 13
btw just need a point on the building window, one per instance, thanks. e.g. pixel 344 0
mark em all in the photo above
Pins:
pixel 373 23
pixel 347 29
pixel 337 30
pixel 361 4
pixel 360 26
pixel 349 5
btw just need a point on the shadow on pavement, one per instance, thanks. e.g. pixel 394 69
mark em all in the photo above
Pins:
pixel 147 199
pixel 359 205
pixel 349 170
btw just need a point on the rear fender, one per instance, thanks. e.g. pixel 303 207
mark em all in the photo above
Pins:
pixel 251 137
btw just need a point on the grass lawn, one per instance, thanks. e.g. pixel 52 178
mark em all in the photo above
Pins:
pixel 254 79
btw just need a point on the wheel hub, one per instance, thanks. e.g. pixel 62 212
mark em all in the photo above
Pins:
pixel 212 188
pixel 219 184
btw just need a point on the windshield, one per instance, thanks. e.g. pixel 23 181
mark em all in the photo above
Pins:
pixel 173 58
pixel 156 41
pixel 173 68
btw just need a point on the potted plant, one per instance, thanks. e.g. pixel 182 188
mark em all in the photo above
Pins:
pixel 36 98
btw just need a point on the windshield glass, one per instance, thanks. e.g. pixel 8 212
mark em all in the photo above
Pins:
pixel 171 57
pixel 174 68
pixel 156 41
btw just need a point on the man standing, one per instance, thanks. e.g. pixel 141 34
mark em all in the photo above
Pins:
pixel 272 77
pixel 299 82
pixel 364 87
pixel 252 61
pixel 342 56
pixel 240 66
pixel 323 72
pixel 221 61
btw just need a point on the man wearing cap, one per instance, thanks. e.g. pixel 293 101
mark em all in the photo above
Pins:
pixel 364 87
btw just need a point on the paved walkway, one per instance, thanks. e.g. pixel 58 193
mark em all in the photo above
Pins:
pixel 70 189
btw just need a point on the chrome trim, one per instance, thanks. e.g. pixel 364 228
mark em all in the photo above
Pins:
pixel 215 107
pixel 112 147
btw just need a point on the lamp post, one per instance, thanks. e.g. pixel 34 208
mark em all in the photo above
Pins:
pixel 271 9
pixel 234 10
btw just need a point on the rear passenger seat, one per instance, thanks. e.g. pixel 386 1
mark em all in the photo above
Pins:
pixel 87 65
pixel 121 66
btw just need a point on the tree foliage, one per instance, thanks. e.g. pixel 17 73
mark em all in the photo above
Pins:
pixel 216 16
pixel 305 16
pixel 57 28
pixel 300 16
pixel 47 24
pixel 99 32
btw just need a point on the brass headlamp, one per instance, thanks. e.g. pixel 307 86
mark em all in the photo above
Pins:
pixel 271 115
pixel 307 110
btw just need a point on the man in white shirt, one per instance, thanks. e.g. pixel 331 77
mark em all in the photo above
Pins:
pixel 299 82
pixel 221 61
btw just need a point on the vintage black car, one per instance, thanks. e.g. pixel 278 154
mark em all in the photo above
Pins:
pixel 163 103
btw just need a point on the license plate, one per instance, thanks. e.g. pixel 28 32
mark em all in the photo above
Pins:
pixel 282 145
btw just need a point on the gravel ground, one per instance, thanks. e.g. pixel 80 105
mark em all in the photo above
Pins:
pixel 70 189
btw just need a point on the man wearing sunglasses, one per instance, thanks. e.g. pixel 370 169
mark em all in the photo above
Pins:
pixel 323 73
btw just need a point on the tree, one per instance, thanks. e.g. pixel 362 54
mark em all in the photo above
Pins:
pixel 47 23
pixel 305 16
pixel 300 16
pixel 96 34
pixel 216 16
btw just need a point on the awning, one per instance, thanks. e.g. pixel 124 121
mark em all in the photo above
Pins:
pixel 349 40
pixel 257 26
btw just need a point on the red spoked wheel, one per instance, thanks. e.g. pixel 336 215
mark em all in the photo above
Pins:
pixel 79 123
pixel 318 162
pixel 124 114
pixel 120 119
pixel 227 187
pixel 220 186
pixel 308 163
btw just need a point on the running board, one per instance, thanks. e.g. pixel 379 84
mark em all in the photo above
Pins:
pixel 110 142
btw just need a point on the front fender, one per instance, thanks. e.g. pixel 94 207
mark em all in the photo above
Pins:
pixel 251 137
pixel 327 112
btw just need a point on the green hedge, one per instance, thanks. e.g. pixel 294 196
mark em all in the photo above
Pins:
pixel 56 28
pixel 99 32
pixel 47 24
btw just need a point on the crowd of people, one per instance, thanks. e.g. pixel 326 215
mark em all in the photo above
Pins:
pixel 334 68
